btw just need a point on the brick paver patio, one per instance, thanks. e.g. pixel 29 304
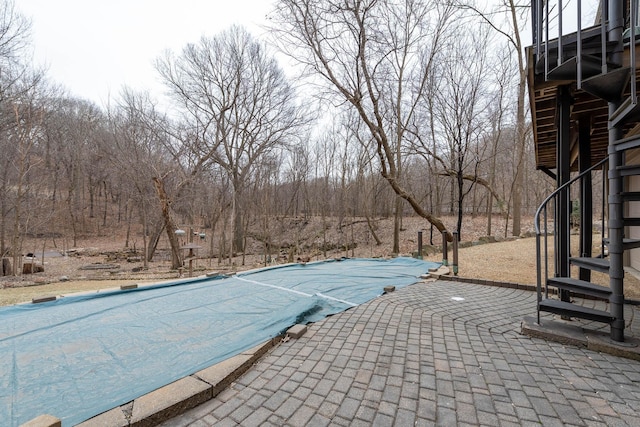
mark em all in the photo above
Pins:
pixel 439 353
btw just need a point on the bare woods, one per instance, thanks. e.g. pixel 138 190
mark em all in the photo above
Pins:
pixel 385 110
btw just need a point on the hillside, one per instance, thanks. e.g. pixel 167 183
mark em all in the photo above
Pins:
pixel 105 258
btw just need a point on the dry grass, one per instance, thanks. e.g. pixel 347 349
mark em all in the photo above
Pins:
pixel 515 261
pixel 509 261
pixel 17 295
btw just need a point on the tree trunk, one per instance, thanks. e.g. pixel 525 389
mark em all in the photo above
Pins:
pixel 106 206
pixel 153 242
pixel 129 216
pixel 324 233
pixel 237 224
pixel 396 225
pixel 145 257
pixel 6 267
pixel 489 214
pixel 92 197
pixel 3 215
pixel 520 130
pixel 492 183
pixel 517 203
pixel 373 231
pixel 176 260
pixel 418 209
pixel 460 185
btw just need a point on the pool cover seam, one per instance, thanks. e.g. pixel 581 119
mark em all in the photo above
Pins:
pixel 296 292
pixel 336 299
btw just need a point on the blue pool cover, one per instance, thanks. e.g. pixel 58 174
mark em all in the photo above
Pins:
pixel 79 356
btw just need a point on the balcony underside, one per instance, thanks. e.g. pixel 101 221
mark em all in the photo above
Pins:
pixel 543 99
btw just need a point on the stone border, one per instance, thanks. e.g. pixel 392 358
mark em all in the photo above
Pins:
pixel 43 421
pixel 513 285
pixel 564 333
pixel 496 283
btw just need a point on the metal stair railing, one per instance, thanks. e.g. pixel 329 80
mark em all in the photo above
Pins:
pixel 542 235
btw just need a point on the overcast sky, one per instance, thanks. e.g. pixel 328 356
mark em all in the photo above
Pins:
pixel 93 47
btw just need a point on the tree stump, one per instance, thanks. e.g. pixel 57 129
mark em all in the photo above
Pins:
pixel 6 267
pixel 32 267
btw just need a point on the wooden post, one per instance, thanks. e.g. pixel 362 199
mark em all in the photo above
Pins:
pixel 455 253
pixel 445 250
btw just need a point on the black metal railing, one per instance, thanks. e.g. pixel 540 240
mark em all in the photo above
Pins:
pixel 551 36
pixel 542 233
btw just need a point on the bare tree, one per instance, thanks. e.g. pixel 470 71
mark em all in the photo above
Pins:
pixel 14 41
pixel 376 56
pixel 452 128
pixel 325 150
pixel 238 104
pixel 462 103
pixel 22 147
pixel 74 127
pixel 138 154
pixel 497 112
pixel 505 19
pixel 15 29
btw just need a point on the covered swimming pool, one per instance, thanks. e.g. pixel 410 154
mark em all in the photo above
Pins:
pixel 81 355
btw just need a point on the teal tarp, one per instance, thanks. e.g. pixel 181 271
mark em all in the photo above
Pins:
pixel 81 355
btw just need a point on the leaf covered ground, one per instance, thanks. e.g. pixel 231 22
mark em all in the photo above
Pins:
pixel 511 260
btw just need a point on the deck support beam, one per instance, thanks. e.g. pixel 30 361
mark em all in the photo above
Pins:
pixel 616 206
pixel 563 175
pixel 586 195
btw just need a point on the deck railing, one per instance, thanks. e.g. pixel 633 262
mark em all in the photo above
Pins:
pixel 542 231
pixel 551 37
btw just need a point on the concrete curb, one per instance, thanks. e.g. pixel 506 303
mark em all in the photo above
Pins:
pixel 43 421
pixel 186 393
pixel 496 283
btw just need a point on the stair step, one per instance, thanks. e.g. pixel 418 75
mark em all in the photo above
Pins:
pixel 627 143
pixel 573 310
pixel 595 264
pixel 626 243
pixel 568 70
pixel 580 287
pixel 629 170
pixel 630 244
pixel 630 196
pixel 628 110
pixel 608 86
pixel 631 222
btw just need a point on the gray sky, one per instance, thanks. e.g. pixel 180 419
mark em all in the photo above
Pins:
pixel 93 47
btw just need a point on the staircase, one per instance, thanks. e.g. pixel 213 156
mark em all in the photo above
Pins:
pixel 599 60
